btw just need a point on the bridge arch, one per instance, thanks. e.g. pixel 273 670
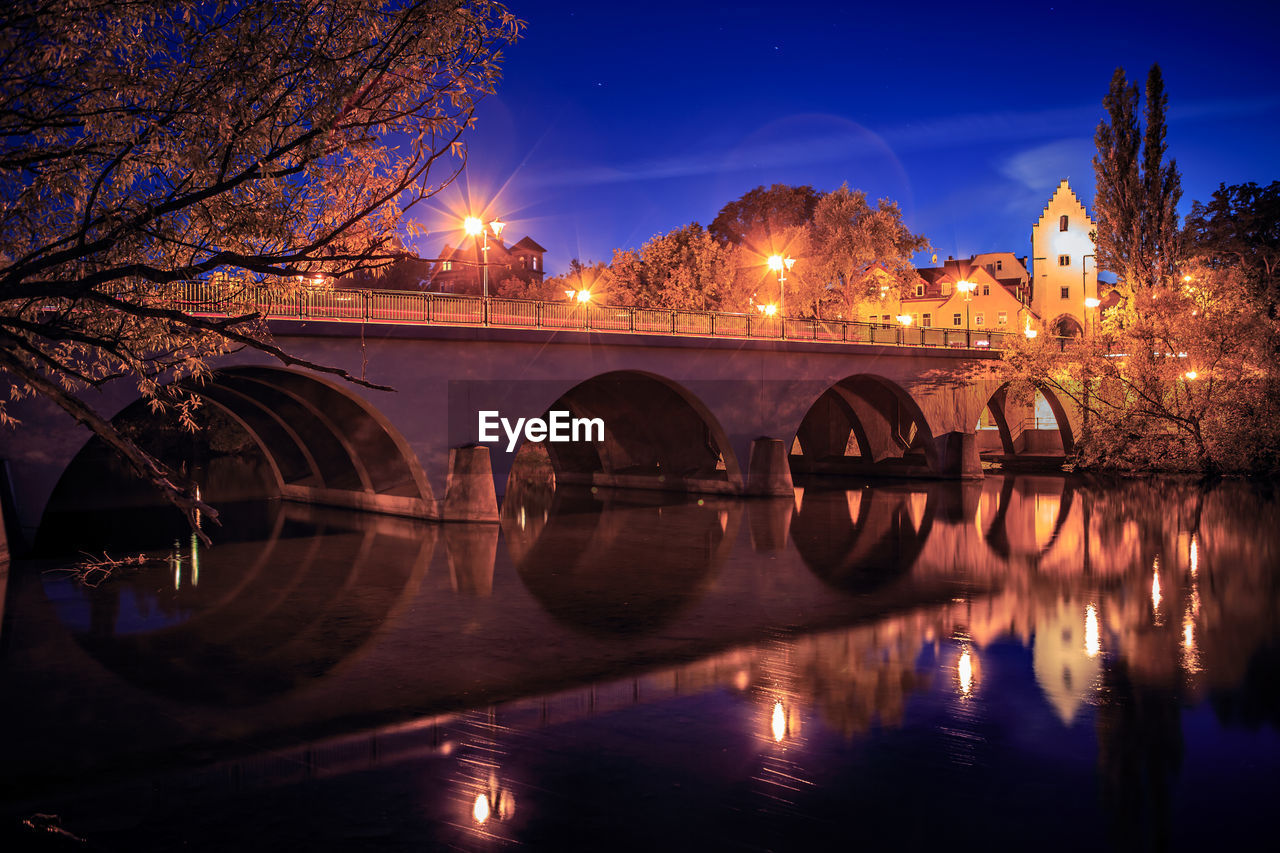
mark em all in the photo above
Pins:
pixel 318 443
pixel 865 424
pixel 1020 426
pixel 657 435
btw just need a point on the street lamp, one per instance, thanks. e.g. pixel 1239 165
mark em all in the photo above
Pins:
pixel 780 265
pixel 1090 303
pixel 475 227
pixel 966 287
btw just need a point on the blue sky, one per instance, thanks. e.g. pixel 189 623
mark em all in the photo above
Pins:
pixel 618 121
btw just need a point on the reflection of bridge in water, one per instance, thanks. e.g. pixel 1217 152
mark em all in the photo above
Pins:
pixel 332 621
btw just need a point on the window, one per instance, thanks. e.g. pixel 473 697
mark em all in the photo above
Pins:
pixel 1064 260
pixel 978 319
pixel 946 288
pixel 885 319
pixel 999 265
pixel 524 262
pixel 1002 319
pixel 986 290
pixel 919 290
pixel 991 268
pixel 926 320
pixel 955 319
pixel 1066 293
pixel 1062 223
pixel 535 263
pixel 446 265
pixel 915 319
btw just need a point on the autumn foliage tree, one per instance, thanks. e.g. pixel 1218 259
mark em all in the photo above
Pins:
pixel 686 268
pixel 156 141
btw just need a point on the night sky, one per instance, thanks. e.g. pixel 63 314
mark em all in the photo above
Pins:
pixel 616 122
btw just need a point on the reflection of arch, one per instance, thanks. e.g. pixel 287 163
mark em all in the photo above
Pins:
pixel 320 443
pixel 997 534
pixel 290 594
pixel 1011 431
pixel 889 429
pixel 613 569
pixel 683 447
pixel 861 539
pixel 1066 326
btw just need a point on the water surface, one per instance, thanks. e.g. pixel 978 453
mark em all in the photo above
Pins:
pixel 1029 661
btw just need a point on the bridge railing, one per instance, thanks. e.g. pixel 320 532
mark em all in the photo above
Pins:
pixel 450 309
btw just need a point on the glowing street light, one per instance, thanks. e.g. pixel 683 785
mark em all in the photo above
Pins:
pixel 1191 374
pixel 767 310
pixel 780 265
pixel 966 287
pixel 904 319
pixel 475 227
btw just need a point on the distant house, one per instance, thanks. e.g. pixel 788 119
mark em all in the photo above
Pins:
pixel 459 269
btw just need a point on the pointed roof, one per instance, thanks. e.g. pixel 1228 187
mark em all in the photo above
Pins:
pixel 1064 186
pixel 527 242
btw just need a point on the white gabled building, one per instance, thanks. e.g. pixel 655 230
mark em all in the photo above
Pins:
pixel 1064 264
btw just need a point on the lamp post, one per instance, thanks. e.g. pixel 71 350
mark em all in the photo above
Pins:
pixel 475 227
pixel 780 265
pixel 1090 303
pixel 904 320
pixel 966 287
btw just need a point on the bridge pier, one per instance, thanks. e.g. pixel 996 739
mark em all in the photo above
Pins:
pixel 769 469
pixel 957 454
pixel 469 493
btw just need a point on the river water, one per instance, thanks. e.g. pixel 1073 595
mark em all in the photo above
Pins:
pixel 1028 661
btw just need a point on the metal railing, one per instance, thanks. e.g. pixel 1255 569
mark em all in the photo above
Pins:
pixel 448 309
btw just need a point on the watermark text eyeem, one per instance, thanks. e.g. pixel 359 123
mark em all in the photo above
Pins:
pixel 559 426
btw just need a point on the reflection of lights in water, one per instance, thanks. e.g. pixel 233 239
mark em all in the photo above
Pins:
pixel 1092 643
pixel 494 801
pixel 197 512
pixel 742 680
pixel 964 669
pixel 195 560
pixel 522 518
pixel 779 722
pixel 724 520
pixel 1155 590
pixel 1195 555
pixel 175 560
pixel 1190 654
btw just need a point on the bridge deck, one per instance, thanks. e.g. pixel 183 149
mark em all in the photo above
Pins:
pixel 448 309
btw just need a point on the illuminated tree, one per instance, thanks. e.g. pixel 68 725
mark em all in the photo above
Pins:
pixel 1240 228
pixel 848 238
pixel 1184 380
pixel 685 268
pixel 260 141
pixel 761 215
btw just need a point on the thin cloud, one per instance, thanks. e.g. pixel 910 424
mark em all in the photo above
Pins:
pixel 946 132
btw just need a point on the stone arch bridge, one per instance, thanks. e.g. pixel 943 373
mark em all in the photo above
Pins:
pixel 698 414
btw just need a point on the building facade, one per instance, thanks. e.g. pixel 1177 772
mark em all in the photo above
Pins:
pixel 460 269
pixel 1065 264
